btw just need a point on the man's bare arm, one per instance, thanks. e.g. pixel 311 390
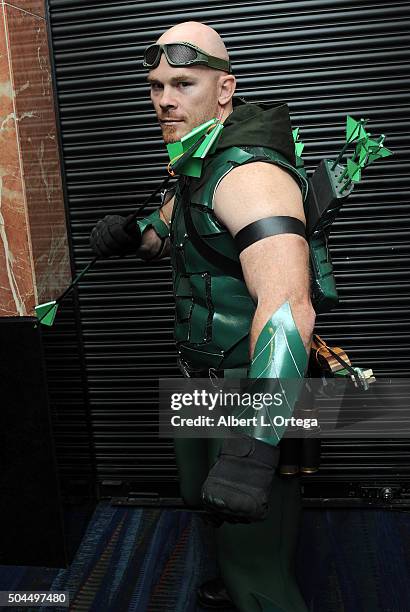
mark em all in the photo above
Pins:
pixel 151 243
pixel 276 268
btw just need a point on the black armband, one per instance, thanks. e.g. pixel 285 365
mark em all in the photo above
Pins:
pixel 269 226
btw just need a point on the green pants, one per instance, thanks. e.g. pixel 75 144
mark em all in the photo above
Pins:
pixel 256 560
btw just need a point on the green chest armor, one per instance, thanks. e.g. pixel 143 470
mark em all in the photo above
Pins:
pixel 214 310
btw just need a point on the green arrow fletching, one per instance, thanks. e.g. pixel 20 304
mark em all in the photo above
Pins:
pixel 299 146
pixel 354 129
pixel 353 171
pixel 46 312
pixel 362 155
pixel 384 152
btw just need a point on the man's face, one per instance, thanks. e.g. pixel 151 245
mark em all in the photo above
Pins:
pixel 183 97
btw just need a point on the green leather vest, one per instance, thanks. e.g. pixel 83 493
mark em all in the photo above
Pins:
pixel 214 311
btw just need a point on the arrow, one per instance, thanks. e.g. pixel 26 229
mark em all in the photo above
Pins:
pixel 367 151
pixel 376 150
pixel 354 129
pixel 47 311
pixel 353 126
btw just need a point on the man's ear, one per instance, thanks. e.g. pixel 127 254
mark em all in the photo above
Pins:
pixel 227 86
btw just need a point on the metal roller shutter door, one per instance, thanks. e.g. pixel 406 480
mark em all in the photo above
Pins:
pixel 325 58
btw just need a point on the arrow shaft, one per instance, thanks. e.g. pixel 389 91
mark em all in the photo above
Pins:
pixel 92 262
pixel 342 176
pixel 69 288
pixel 129 221
pixel 349 140
pixel 178 162
pixel 77 279
pixel 339 157
pixel 346 185
pixel 139 210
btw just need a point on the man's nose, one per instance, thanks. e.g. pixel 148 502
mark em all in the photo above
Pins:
pixel 167 99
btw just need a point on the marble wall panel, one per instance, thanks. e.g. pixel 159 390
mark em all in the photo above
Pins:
pixel 32 6
pixel 17 292
pixel 36 129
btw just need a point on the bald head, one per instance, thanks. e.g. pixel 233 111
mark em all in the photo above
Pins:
pixel 185 96
pixel 198 34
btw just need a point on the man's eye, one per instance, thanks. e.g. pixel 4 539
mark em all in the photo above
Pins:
pixel 156 86
pixel 184 84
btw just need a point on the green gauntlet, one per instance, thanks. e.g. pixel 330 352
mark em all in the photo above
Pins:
pixel 278 368
pixel 154 220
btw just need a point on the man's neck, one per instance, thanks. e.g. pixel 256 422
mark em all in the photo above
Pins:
pixel 227 111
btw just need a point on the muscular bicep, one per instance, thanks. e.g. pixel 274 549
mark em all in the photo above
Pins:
pixel 276 267
pixel 254 191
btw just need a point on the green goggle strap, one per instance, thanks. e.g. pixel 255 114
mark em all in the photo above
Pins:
pixel 202 58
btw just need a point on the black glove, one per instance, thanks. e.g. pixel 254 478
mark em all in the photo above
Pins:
pixel 239 483
pixel 110 238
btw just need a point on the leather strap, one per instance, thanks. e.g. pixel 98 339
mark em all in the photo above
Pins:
pixel 220 261
pixel 269 226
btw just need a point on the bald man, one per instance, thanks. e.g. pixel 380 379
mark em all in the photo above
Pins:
pixel 241 283
pixel 209 91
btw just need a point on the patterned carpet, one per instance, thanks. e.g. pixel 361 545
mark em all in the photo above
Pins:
pixel 151 560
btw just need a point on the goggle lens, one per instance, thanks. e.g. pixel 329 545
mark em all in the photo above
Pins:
pixel 180 54
pixel 151 54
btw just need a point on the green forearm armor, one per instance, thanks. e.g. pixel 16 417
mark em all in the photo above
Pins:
pixel 155 222
pixel 278 366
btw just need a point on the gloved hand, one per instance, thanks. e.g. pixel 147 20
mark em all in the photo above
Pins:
pixel 109 237
pixel 238 485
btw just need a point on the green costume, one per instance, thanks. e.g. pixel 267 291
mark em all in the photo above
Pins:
pixel 214 313
pixel 214 310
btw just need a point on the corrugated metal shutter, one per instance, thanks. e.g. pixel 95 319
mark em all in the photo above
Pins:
pixel 326 58
pixel 68 396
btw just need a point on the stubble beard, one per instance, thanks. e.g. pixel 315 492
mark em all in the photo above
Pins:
pixel 169 132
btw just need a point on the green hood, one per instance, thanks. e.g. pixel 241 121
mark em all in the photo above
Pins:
pixel 259 125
